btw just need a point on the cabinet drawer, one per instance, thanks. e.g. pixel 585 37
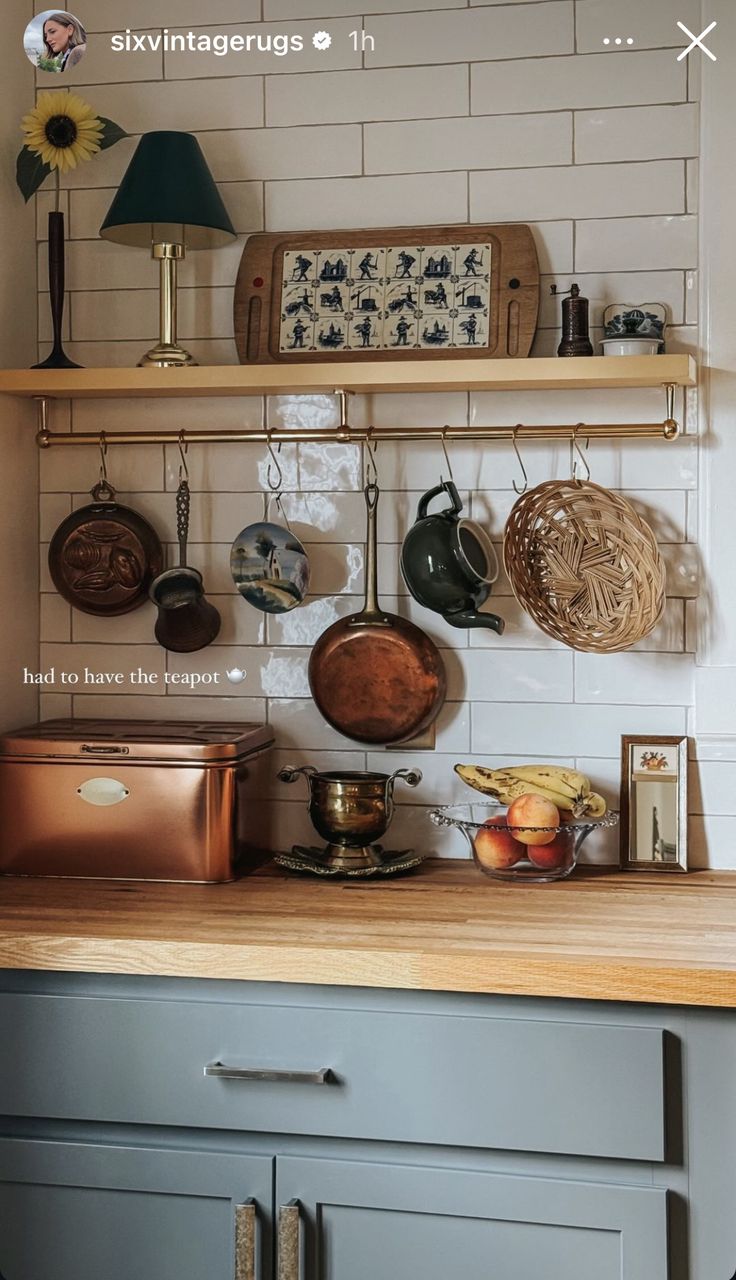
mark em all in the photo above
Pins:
pixel 479 1081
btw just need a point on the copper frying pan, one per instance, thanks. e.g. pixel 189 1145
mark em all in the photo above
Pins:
pixel 375 677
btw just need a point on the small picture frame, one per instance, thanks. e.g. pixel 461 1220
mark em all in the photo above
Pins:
pixel 653 803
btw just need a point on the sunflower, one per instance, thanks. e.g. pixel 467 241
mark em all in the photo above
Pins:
pixel 62 129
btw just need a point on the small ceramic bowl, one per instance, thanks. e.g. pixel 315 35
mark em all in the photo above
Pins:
pixel 631 346
pixel 497 853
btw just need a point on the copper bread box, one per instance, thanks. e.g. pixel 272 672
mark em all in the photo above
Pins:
pixel 134 799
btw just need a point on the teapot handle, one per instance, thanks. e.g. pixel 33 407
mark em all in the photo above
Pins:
pixel 448 487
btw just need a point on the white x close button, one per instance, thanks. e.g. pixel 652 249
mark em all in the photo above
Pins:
pixel 697 42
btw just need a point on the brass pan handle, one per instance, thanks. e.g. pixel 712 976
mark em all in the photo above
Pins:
pixel 266 1075
pixel 288 1238
pixel 245 1241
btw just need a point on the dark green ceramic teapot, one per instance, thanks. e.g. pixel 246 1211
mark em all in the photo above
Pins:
pixel 449 564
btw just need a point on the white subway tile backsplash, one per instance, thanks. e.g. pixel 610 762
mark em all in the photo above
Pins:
pixel 492 32
pixel 304 626
pixel 297 723
pixel 65 470
pixel 55 620
pixel 269 672
pixel 367 142
pixel 625 677
pixel 712 787
pixel 536 676
pixel 53 508
pixel 477 142
pixel 333 97
pixel 636 244
pixel 693 186
pixel 133 313
pixel 636 133
pixel 169 707
pixel 98 264
pixel 326 151
pixel 574 728
pixel 554 241
pixel 711 842
pixel 578 81
pixel 592 190
pixel 366 202
pixel 176 104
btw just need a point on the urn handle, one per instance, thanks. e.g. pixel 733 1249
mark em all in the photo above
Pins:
pixel 412 777
pixel 291 772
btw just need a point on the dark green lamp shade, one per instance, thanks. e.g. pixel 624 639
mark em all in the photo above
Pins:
pixel 168 195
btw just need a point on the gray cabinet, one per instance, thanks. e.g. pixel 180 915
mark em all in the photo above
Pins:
pixel 450 1135
pixel 360 1221
pixel 78 1211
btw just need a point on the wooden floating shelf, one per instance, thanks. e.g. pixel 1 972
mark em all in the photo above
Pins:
pixel 548 374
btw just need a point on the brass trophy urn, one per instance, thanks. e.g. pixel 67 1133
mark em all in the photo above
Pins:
pixel 351 811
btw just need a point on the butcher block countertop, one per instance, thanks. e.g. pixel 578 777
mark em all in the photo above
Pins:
pixel 664 939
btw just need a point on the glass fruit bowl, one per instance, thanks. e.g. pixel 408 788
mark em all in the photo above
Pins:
pixel 540 855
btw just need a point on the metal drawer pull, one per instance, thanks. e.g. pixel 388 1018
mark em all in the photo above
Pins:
pixel 288 1261
pixel 245 1241
pixel 323 1076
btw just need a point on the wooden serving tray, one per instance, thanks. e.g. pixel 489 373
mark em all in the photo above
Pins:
pixel 388 294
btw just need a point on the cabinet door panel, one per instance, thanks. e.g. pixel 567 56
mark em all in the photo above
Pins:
pixel 69 1211
pixel 360 1221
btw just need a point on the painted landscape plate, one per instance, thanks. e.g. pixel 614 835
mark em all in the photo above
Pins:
pixel 270 567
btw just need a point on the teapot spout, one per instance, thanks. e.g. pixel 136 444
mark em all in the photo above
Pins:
pixel 471 618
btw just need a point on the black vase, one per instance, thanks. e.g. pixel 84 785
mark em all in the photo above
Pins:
pixel 58 359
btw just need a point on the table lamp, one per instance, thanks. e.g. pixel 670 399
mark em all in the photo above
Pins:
pixel 168 202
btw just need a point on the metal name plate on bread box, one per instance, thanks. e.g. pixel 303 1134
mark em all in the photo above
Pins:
pixel 134 799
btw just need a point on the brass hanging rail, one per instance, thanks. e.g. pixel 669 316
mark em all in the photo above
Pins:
pixel 344 433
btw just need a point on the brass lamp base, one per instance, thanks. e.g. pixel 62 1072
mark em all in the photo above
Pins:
pixel 167 355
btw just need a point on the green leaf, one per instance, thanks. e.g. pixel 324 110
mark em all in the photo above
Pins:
pixel 30 172
pixel 113 133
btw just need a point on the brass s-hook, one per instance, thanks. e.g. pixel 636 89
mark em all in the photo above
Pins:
pixel 103 459
pixel 279 483
pixel 183 450
pixel 371 464
pixel 520 461
pixel 575 448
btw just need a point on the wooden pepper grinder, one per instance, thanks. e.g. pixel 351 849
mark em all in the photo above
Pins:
pixel 575 332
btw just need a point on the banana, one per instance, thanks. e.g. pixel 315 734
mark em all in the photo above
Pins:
pixel 506 786
pixel 554 777
pixel 597 807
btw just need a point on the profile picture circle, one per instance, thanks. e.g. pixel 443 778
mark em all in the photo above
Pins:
pixel 55 41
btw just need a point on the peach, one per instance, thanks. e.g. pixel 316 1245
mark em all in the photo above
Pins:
pixel 530 811
pixel 497 850
pixel 556 855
